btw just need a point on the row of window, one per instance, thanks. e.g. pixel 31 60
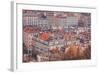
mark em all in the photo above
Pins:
pixel 38 21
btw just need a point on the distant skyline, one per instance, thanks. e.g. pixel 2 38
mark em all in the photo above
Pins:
pixel 54 18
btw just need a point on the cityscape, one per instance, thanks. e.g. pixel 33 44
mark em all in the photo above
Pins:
pixel 56 36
